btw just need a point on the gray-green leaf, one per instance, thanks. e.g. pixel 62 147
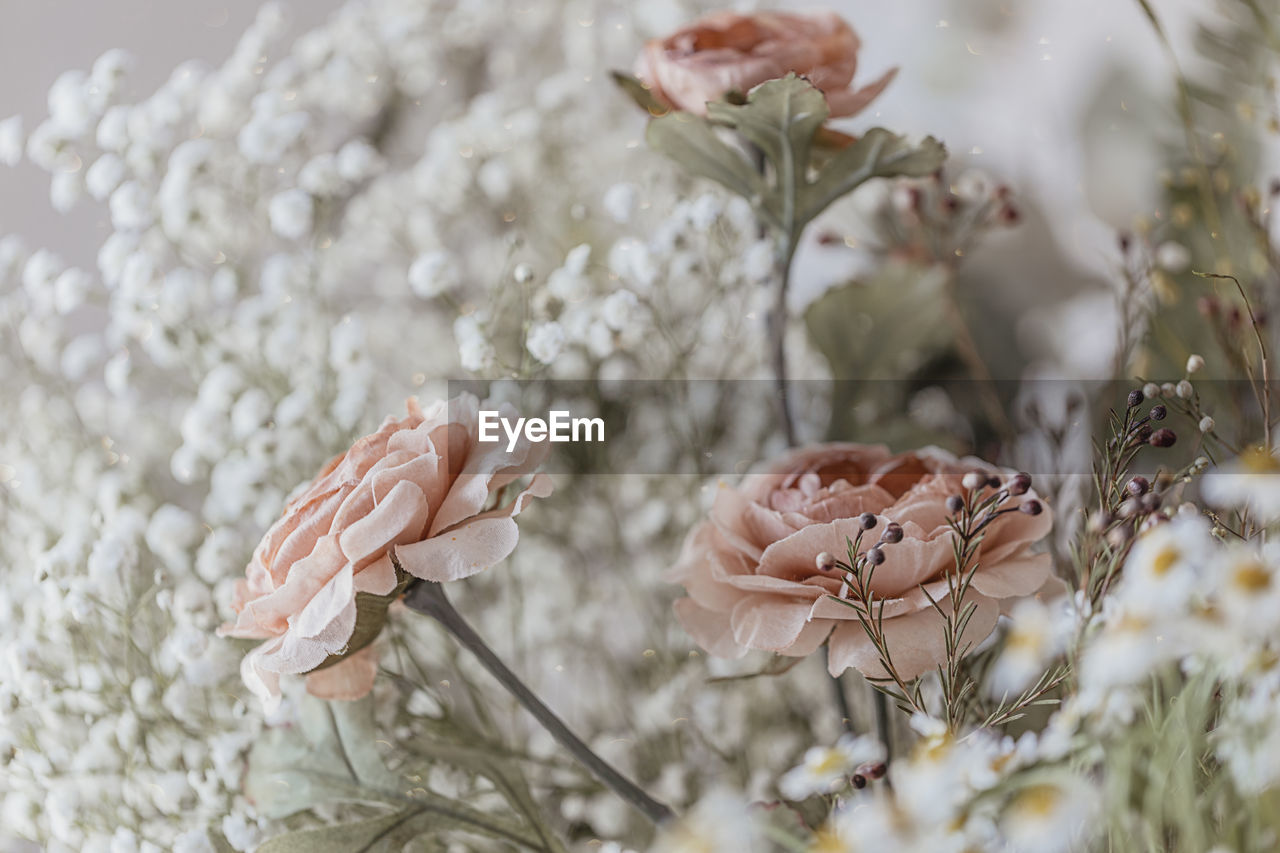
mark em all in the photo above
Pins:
pixel 781 117
pixel 691 141
pixel 640 93
pixel 330 755
pixel 393 831
pixel 878 154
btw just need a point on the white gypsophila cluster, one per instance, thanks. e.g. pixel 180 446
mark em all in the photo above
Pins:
pixel 299 237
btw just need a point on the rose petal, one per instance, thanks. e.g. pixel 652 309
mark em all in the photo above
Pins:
pixel 377 578
pixel 708 628
pixel 765 622
pixel 1016 576
pixel 847 103
pixel 400 517
pixel 349 679
pixel 473 545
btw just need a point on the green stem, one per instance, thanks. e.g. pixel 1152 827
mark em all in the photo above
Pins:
pixel 429 599
pixel 778 338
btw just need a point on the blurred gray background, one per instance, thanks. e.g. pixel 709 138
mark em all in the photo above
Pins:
pixel 1056 97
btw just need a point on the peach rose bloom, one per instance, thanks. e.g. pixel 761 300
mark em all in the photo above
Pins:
pixel 423 484
pixel 726 52
pixel 753 583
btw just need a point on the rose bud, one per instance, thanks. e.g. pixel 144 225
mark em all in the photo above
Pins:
pixel 729 52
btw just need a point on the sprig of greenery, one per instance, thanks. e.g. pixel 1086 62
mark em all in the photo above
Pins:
pixel 858 573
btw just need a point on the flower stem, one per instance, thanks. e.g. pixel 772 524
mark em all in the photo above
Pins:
pixel 778 336
pixel 429 599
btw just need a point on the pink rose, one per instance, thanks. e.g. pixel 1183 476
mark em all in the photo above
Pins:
pixel 751 572
pixel 423 484
pixel 726 52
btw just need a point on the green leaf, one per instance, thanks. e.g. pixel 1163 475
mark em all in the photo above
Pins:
pixel 780 116
pixel 878 154
pixel 366 835
pixel 872 331
pixel 393 831
pixel 330 755
pixel 640 93
pixel 691 141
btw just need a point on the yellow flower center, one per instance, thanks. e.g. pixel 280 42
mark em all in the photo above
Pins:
pixel 831 762
pixel 1164 560
pixel 1251 577
pixel 1037 801
pixel 826 841
pixel 1256 460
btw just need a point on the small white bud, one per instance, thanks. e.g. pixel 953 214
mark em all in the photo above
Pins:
pixel 620 202
pixel 1195 363
pixel 1151 390
pixel 11 141
pixel 1206 424
pixel 1173 257
pixel 545 341
pixel 1185 390
pixel 973 480
pixel 825 561
pixel 523 273
pixel 291 213
pixel 433 273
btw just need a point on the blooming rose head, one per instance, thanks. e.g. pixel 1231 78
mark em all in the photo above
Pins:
pixel 727 52
pixel 752 574
pixel 423 485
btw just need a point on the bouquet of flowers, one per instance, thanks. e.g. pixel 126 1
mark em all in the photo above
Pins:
pixel 735 506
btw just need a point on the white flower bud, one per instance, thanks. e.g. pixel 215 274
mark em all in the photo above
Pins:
pixel 575 263
pixel 69 289
pixel 291 213
pixel 545 341
pixel 1172 257
pixel 130 207
pixel 1195 363
pixel 618 309
pixel 11 141
pixel 433 273
pixel 104 176
pixel 1206 424
pixel 1151 390
pixel 1185 390
pixel 973 480
pixel 620 202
